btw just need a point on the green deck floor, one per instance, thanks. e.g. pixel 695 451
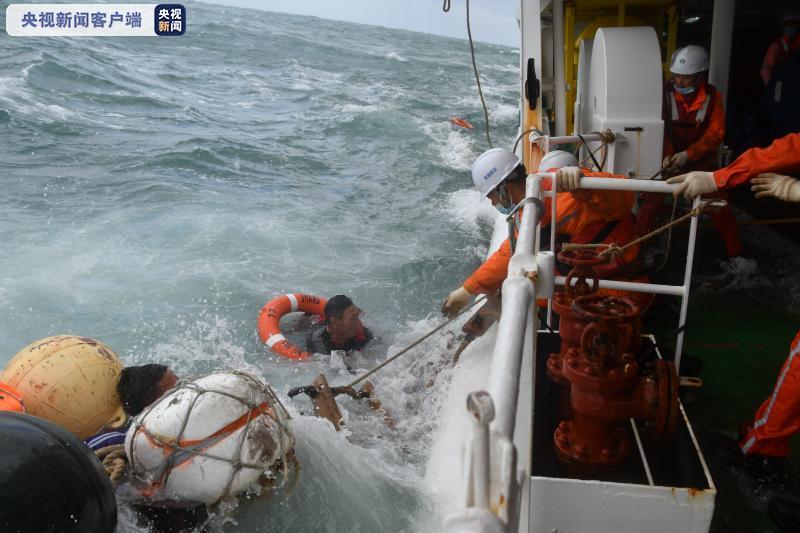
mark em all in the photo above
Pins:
pixel 741 337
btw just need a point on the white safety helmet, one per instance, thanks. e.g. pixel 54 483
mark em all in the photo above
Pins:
pixel 492 168
pixel 689 60
pixel 557 159
pixel 790 17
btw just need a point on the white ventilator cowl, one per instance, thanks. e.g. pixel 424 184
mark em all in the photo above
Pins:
pixel 492 167
pixel 689 60
pixel 557 159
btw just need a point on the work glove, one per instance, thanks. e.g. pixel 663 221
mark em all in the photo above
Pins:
pixel 694 184
pixel 771 185
pixel 568 178
pixel 457 300
pixel 676 162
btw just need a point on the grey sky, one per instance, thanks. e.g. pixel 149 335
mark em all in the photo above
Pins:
pixel 492 21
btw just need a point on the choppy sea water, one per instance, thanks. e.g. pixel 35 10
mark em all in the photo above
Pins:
pixel 158 192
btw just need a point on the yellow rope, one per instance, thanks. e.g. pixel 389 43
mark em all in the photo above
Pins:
pixel 613 249
pixel 114 461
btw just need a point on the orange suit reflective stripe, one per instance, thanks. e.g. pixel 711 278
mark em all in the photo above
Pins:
pixel 779 416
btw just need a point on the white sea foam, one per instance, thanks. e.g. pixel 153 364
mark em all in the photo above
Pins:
pixel 396 56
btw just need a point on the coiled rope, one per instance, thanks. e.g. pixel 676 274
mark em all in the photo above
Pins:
pixel 114 461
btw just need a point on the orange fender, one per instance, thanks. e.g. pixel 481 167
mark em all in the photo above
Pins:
pixel 10 399
pixel 269 322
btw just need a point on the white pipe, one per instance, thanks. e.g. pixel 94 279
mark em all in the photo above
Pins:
pixel 518 295
pixel 687 283
pixel 721 38
pixel 558 67
pixel 632 286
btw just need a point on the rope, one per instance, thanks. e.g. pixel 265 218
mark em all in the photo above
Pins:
pixel 477 77
pixel 404 350
pixel 613 249
pixel 669 236
pixel 114 461
pixel 446 6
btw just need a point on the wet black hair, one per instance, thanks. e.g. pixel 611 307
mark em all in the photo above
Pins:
pixel 138 386
pixel 335 306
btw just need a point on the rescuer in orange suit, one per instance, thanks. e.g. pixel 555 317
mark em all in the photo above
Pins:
pixel 581 217
pixel 765 444
pixel 784 46
pixel 694 127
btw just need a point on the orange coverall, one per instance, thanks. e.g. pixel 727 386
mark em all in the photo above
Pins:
pixel 781 157
pixel 580 215
pixel 778 52
pixel 695 124
pixel 779 416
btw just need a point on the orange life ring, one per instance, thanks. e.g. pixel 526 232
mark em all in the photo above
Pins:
pixel 10 399
pixel 461 123
pixel 269 321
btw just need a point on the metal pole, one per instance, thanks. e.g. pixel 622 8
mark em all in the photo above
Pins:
pixel 721 38
pixel 687 282
pixel 558 67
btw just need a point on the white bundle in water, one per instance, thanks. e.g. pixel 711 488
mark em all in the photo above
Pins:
pixel 209 438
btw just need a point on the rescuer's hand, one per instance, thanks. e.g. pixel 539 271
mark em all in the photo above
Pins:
pixel 456 302
pixel 693 184
pixel 676 162
pixel 771 185
pixel 568 178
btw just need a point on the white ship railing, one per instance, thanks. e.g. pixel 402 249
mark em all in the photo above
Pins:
pixel 492 486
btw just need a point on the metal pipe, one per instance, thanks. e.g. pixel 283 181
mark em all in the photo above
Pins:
pixel 481 407
pixel 641 452
pixel 687 283
pixel 721 38
pixel 518 298
pixel 558 67
pixel 632 286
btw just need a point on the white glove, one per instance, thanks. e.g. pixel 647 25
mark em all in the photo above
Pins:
pixel 771 185
pixel 456 302
pixel 675 162
pixel 568 178
pixel 694 184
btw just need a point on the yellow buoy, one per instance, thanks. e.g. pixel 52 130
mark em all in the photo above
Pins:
pixel 69 380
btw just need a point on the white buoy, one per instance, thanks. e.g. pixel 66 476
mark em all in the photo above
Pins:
pixel 209 438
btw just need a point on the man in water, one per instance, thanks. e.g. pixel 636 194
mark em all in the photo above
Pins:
pixel 343 329
pixel 138 387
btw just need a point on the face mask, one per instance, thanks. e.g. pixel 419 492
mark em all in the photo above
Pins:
pixel 685 90
pixel 504 210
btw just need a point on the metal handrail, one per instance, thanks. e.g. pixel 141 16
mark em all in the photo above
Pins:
pixel 491 488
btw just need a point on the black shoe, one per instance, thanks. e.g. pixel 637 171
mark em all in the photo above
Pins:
pixel 785 513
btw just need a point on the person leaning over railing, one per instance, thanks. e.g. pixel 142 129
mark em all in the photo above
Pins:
pixel 582 216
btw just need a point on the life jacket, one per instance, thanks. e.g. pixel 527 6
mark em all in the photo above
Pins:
pixel 786 49
pixel 683 126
